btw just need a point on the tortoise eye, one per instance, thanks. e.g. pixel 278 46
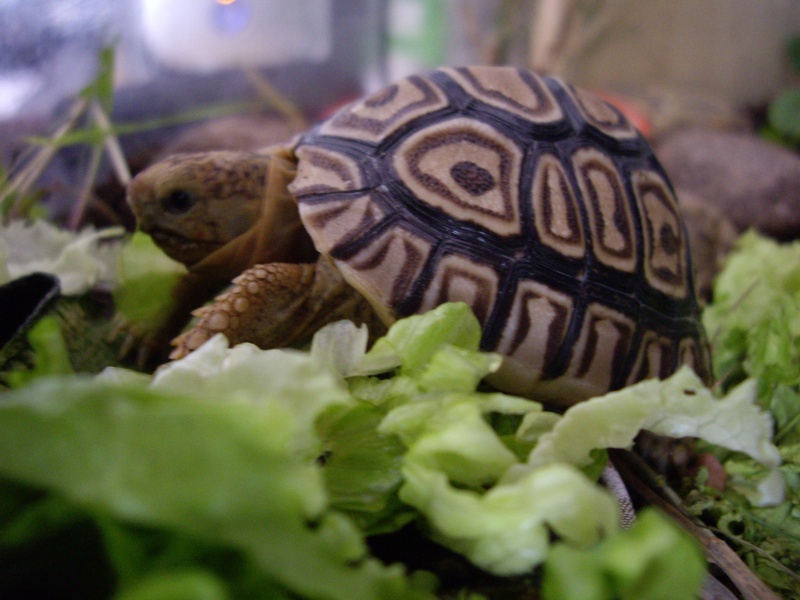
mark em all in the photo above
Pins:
pixel 178 202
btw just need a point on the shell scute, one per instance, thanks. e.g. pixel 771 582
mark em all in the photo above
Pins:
pixel 320 171
pixel 379 115
pixel 665 249
pixel 556 213
pixel 601 349
pixel 459 278
pixel 341 221
pixel 602 116
pixel 386 269
pixel 609 209
pixel 465 168
pixel 537 327
pixel 515 90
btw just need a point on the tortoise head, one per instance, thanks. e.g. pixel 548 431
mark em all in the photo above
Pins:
pixel 193 204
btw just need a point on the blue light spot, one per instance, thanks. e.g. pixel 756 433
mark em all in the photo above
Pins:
pixel 231 18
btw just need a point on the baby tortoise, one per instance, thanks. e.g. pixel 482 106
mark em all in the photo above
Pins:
pixel 529 199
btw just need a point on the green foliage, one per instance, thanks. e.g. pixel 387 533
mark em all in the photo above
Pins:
pixel 51 356
pixel 793 51
pixel 194 466
pixel 754 323
pixel 101 88
pixel 783 113
pixel 238 472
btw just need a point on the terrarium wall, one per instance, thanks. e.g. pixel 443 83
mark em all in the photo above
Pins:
pixel 733 49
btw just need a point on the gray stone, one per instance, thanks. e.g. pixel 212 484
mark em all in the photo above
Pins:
pixel 753 182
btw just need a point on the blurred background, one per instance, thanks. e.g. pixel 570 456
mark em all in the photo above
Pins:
pixel 264 69
pixel 318 49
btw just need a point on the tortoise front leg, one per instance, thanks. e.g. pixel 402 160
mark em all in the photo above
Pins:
pixel 276 305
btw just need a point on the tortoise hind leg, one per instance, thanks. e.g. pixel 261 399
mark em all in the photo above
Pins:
pixel 277 305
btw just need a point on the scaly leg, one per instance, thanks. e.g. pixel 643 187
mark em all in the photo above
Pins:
pixel 276 305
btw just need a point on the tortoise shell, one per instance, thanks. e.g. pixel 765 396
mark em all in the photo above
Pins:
pixel 529 199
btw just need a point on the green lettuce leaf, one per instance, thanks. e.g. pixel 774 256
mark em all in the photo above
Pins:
pixel 181 585
pixel 290 384
pixel 415 340
pixel 288 458
pixel 449 434
pixel 223 464
pixel 454 455
pixel 361 467
pixel 507 530
pixel 147 277
pixel 679 406
pixel 653 559
pixel 464 477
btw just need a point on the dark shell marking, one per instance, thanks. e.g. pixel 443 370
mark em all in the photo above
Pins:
pixel 534 202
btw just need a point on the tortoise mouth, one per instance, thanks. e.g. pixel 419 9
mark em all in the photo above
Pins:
pixel 181 248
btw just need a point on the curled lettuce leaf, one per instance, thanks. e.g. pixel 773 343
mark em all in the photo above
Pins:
pixel 342 346
pixel 453 453
pixel 78 259
pixel 507 530
pixel 679 406
pixel 415 341
pixel 450 435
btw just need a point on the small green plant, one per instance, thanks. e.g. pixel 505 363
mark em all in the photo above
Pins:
pixel 783 113
pixel 18 194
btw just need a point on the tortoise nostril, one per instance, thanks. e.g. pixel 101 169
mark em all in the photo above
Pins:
pixel 178 202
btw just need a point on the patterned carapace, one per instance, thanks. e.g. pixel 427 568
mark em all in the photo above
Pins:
pixel 532 201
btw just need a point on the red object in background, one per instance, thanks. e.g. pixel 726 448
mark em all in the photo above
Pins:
pixel 636 115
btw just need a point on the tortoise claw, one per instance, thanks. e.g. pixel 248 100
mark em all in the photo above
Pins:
pixel 188 342
pixel 142 348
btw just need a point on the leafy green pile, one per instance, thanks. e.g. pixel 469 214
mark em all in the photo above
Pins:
pixel 754 325
pixel 238 472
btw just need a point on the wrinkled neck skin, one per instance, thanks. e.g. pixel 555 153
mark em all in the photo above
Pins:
pixel 277 235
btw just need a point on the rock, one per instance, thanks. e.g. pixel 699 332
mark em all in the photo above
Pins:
pixel 752 182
